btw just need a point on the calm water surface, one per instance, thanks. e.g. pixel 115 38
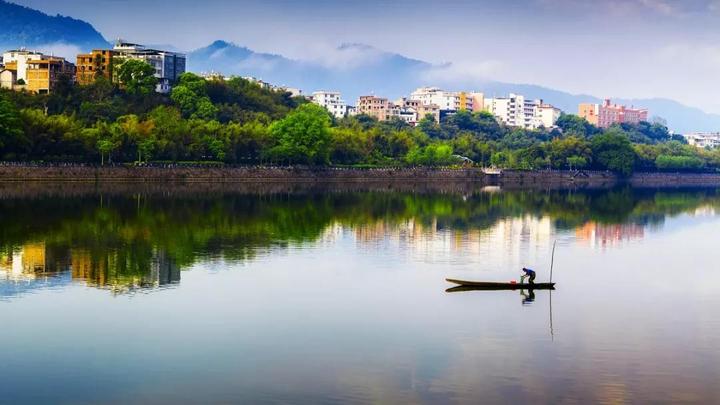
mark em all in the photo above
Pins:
pixel 328 296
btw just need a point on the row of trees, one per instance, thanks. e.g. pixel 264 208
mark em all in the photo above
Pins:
pixel 236 121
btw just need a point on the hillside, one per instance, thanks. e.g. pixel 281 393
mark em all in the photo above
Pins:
pixel 25 27
pixel 387 74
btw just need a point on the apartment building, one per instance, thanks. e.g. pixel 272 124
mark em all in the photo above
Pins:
pixel 17 60
pixel 606 114
pixel 373 106
pixel 478 101
pixel 546 116
pixel 33 71
pixel 168 65
pixel 445 100
pixel 703 139
pixel 43 74
pixel 420 110
pixel 98 63
pixel 517 111
pixel 332 101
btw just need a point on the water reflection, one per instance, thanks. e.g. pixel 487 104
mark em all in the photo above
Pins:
pixel 142 241
pixel 47 265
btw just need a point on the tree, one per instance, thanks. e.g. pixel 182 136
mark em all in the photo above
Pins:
pixel 432 155
pixel 613 151
pixel 137 77
pixel 666 162
pixel 303 136
pixel 190 95
pixel 10 124
pixel 430 127
pixel 571 124
pixel 560 150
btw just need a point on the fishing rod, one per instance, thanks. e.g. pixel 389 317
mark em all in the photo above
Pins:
pixel 552 259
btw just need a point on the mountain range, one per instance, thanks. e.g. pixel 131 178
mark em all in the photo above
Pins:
pixel 353 69
pixel 24 27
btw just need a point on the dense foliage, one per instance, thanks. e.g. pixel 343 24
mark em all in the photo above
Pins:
pixel 236 121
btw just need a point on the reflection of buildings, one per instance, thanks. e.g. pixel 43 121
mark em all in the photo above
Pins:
pixel 508 243
pixel 37 265
pixel 599 235
pixel 33 260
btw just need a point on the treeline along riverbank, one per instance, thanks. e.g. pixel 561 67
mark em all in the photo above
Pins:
pixel 301 174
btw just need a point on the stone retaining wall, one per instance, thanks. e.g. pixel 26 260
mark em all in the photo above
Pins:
pixel 230 174
pixel 257 174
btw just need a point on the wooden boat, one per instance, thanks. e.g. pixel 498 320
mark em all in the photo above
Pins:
pixel 483 285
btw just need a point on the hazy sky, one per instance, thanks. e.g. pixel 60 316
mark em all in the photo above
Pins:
pixel 621 48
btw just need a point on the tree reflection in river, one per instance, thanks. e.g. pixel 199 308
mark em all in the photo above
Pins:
pixel 143 240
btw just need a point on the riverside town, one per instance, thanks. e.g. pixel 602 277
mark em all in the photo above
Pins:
pixel 376 202
pixel 136 104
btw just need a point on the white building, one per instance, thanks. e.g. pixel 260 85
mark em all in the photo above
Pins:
pixel 168 65
pixel 547 115
pixel 703 139
pixel 446 100
pixel 332 101
pixel 19 58
pixel 294 91
pixel 517 111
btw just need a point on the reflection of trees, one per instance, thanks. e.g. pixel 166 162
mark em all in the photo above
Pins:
pixel 141 241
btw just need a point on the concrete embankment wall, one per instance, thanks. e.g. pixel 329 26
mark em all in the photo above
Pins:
pixel 555 178
pixel 232 174
pixel 506 179
pixel 675 180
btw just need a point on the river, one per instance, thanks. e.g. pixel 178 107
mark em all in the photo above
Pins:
pixel 338 295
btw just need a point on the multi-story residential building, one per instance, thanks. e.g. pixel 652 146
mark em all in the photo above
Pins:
pixel 101 62
pixel 703 139
pixel 517 111
pixel 547 115
pixel 409 115
pixel 446 100
pixel 478 101
pixel 373 106
pixel 43 74
pixel 168 65
pixel 420 110
pixel 17 60
pixel 33 71
pixel 332 101
pixel 606 114
pixel 98 63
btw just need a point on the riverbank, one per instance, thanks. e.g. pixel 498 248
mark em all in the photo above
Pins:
pixel 300 175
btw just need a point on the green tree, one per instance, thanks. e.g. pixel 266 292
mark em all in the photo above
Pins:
pixel 570 124
pixel 137 77
pixel 613 151
pixel 303 136
pixel 10 124
pixel 190 95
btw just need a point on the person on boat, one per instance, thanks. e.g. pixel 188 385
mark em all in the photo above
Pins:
pixel 528 273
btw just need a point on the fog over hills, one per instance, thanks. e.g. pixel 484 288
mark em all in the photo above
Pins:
pixel 354 69
pixel 357 69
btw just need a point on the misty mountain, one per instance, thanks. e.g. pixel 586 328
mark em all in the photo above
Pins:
pixel 356 69
pixel 24 27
